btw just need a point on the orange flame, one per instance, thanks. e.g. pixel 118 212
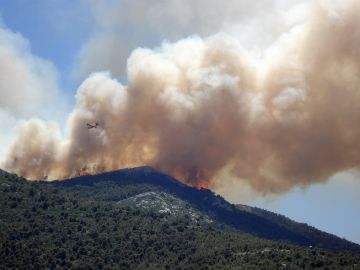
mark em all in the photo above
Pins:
pixel 202 185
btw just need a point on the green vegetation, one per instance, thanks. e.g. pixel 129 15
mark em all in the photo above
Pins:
pixel 120 184
pixel 323 239
pixel 42 226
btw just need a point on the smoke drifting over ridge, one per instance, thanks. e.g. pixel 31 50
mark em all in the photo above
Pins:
pixel 199 108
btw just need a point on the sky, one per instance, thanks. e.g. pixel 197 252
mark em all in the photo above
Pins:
pixel 50 51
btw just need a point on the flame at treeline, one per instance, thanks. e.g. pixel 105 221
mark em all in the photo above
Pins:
pixel 202 185
pixel 94 169
pixel 87 170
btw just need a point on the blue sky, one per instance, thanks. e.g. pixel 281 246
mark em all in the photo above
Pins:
pixel 80 37
pixel 56 31
pixel 333 207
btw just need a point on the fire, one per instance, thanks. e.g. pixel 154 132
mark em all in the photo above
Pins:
pixel 84 171
pixel 202 185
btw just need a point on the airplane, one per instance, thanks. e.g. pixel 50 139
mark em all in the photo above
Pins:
pixel 90 126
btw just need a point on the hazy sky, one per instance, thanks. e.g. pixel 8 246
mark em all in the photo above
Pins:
pixel 48 48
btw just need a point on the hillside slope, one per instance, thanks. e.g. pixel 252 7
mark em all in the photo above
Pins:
pixel 301 228
pixel 45 227
pixel 109 188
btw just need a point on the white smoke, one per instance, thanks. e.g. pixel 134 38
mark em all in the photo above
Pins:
pixel 122 26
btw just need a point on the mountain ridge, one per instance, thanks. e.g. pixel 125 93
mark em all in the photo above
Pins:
pixel 219 209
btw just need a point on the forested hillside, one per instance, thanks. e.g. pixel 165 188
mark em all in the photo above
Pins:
pixel 117 185
pixel 42 226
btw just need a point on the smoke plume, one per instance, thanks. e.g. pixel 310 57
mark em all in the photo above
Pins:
pixel 202 107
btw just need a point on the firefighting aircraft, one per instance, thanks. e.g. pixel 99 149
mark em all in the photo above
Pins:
pixel 90 126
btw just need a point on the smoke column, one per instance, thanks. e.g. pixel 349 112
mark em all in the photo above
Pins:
pixel 199 108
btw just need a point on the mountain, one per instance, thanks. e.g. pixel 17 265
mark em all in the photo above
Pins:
pixel 321 238
pixel 136 219
pixel 254 221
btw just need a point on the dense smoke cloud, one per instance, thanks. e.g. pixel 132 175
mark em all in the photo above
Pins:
pixel 202 107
